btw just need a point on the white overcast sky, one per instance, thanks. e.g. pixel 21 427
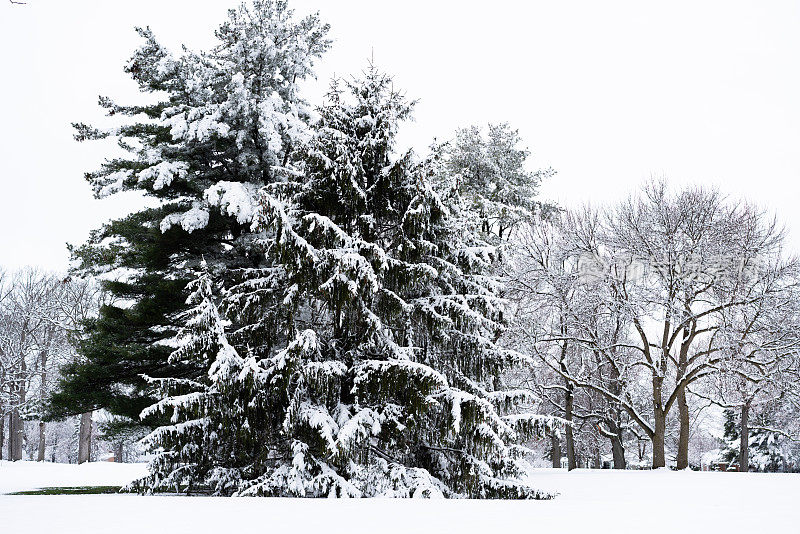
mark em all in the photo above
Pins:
pixel 607 93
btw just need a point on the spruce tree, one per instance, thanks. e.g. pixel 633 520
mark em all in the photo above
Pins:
pixel 189 450
pixel 770 448
pixel 369 341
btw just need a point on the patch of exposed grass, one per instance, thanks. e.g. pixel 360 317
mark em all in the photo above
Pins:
pixel 77 490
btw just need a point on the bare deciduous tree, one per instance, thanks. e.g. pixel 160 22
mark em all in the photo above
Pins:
pixel 637 296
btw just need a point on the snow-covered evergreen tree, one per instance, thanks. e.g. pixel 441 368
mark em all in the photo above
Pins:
pixel 393 369
pixel 370 342
pixel 772 447
pixel 489 170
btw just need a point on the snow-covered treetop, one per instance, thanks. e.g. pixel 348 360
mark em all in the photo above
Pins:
pixel 226 115
pixel 490 171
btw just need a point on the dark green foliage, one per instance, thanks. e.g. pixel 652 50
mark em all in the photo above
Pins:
pixel 188 150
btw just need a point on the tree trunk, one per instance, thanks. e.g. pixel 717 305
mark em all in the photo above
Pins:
pixel 42 396
pixel 570 441
pixel 16 435
pixel 40 452
pixel 16 428
pixel 659 424
pixel 682 460
pixel 618 453
pixel 119 452
pixel 659 458
pixel 85 437
pixel 744 439
pixel 2 434
pixel 617 449
pixel 569 399
pixel 555 449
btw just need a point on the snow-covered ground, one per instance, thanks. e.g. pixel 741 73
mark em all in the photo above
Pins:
pixel 589 501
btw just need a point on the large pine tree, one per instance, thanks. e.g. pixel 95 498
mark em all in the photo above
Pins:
pixel 369 359
pixel 223 123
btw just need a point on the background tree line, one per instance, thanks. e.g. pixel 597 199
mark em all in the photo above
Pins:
pixel 635 315
pixel 41 320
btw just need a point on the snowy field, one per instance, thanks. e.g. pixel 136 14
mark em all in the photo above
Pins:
pixel 589 501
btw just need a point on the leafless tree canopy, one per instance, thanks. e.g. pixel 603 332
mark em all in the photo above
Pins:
pixel 629 309
pixel 39 314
